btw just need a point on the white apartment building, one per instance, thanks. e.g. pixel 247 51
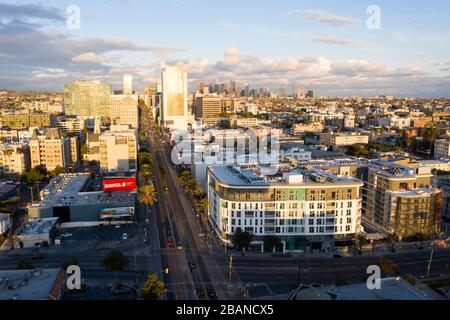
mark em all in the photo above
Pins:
pixel 14 158
pixel 442 149
pixel 336 140
pixel 395 122
pixel 118 149
pixel 312 204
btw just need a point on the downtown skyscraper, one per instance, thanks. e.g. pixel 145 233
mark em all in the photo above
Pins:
pixel 174 108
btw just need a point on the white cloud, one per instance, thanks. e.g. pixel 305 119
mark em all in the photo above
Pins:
pixel 91 57
pixel 329 18
pixel 232 56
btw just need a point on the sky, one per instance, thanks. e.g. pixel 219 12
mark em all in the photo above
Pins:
pixel 338 48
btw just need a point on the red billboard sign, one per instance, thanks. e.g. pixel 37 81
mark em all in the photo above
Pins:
pixel 119 184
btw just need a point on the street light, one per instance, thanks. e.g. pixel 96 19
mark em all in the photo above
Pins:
pixel 231 268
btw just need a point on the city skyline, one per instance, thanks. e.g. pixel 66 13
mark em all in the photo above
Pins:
pixel 324 46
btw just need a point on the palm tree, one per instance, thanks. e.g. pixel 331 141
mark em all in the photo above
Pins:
pixel 147 196
pixel 145 176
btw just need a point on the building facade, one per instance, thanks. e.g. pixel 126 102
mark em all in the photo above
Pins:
pixel 313 205
pixel 124 110
pixel 118 150
pixel 336 140
pixel 87 99
pixel 14 158
pixel 442 149
pixel 21 121
pixel 174 108
pixel 53 151
pixel 401 200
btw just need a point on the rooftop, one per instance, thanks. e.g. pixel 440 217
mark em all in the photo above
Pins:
pixel 72 189
pixel 27 284
pixel 272 176
pixel 37 226
pixel 391 289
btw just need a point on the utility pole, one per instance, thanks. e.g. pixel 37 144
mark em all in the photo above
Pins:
pixel 430 262
pixel 32 195
pixel 38 195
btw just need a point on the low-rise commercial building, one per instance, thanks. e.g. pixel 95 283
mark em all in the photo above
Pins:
pixel 40 231
pixel 78 198
pixel 32 285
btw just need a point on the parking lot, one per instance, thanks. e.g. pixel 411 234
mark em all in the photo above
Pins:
pixel 106 233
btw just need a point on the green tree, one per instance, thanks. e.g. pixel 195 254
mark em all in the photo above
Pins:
pixel 115 261
pixel 361 241
pixel 241 240
pixel 388 267
pixel 153 289
pixel 272 242
pixel 57 171
pixel 83 150
pixel 358 150
pixel 198 193
pixel 147 196
pixel 33 176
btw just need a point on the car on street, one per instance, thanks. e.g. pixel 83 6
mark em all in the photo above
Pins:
pixel 117 226
pixel 180 246
pixel 212 294
pixel 337 256
pixel 200 292
pixel 192 266
pixel 125 237
pixel 66 235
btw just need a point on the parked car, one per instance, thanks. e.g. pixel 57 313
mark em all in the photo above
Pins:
pixel 66 235
pixel 125 236
pixel 192 266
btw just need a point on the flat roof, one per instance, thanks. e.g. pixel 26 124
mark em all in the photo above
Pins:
pixel 37 226
pixel 248 176
pixel 69 190
pixel 27 284
pixel 391 289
